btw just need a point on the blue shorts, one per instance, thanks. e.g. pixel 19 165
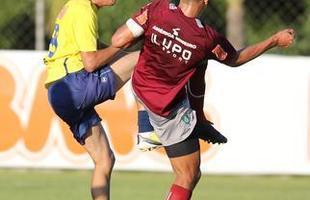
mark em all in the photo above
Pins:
pixel 74 97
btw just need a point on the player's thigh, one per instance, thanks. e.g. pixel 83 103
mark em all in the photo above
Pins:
pixel 97 145
pixel 185 156
pixel 123 68
pixel 187 165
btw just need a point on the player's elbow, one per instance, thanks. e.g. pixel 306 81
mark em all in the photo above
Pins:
pixel 236 61
pixel 122 38
pixel 234 64
pixel 90 67
pixel 89 61
pixel 118 41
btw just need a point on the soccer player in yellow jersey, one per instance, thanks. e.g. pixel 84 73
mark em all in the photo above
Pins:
pixel 80 78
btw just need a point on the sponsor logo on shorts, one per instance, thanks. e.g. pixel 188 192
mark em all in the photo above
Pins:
pixel 104 79
pixel 186 118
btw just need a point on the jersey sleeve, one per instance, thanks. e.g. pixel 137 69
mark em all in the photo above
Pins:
pixel 85 30
pixel 221 47
pixel 138 23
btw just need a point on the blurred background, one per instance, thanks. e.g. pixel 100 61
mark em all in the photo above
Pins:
pixel 263 108
pixel 28 24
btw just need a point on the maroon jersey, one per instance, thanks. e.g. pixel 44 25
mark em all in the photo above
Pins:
pixel 173 46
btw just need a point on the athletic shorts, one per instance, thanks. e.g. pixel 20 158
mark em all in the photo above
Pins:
pixel 74 97
pixel 177 126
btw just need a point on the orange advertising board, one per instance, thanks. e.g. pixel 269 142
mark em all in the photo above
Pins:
pixel 28 121
pixel 262 108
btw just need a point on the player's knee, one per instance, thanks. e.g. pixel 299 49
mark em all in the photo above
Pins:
pixel 111 160
pixel 197 176
pixel 106 162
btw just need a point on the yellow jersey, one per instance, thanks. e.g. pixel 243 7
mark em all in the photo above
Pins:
pixel 76 30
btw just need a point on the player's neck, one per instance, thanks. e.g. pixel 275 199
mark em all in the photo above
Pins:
pixel 191 8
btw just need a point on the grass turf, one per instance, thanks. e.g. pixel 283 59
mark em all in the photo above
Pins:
pixel 67 185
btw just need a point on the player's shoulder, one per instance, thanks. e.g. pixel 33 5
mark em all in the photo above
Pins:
pixel 207 27
pixel 210 31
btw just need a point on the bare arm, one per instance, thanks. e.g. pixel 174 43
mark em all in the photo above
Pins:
pixel 95 59
pixel 133 29
pixel 282 39
pixel 117 56
pixel 123 37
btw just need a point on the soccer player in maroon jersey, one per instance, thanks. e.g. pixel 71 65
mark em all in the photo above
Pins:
pixel 147 139
pixel 174 42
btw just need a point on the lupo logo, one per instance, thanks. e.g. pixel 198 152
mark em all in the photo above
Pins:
pixel 170 47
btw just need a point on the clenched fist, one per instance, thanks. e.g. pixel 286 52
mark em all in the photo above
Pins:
pixel 284 38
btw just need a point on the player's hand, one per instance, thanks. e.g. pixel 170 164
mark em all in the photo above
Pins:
pixel 284 38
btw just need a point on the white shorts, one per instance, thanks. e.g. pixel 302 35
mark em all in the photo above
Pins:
pixel 177 126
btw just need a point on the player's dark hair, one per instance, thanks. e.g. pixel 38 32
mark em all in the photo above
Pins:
pixel 176 2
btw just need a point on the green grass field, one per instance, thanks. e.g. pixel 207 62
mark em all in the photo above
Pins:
pixel 67 185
